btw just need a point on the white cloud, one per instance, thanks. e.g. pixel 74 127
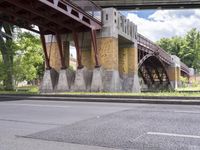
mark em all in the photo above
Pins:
pixel 167 23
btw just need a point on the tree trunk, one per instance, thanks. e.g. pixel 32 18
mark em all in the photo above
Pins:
pixel 7 55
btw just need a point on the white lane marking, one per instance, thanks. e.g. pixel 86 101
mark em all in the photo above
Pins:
pixel 34 105
pixel 138 137
pixel 174 135
pixel 188 112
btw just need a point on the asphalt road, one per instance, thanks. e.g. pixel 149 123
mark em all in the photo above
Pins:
pixel 59 125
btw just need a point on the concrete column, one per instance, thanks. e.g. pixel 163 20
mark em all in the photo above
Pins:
pixel 191 74
pixel 108 52
pixel 128 66
pixel 133 60
pixel 174 72
pixel 107 45
pixel 123 61
pixel 178 69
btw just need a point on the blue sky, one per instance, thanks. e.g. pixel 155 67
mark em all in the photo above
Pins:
pixel 140 13
pixel 156 24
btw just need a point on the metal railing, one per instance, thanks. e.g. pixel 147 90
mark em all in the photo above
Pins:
pixel 143 41
pixel 89 7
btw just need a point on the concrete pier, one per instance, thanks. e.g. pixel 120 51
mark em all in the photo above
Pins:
pixel 174 72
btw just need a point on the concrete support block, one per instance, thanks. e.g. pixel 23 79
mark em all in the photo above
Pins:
pixel 136 88
pixel 174 84
pixel 112 81
pixel 49 81
pixel 128 67
pixel 82 80
pixel 65 79
pixel 174 76
pixel 131 84
pixel 97 81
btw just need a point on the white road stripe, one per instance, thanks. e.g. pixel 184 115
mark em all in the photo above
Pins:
pixel 174 135
pixel 35 105
pixel 188 112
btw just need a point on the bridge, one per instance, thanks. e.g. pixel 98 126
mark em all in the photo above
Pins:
pixel 111 54
pixel 148 4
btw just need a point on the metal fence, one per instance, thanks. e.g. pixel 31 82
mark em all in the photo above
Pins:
pixel 89 7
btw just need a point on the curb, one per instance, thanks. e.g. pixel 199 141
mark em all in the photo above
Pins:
pixel 100 96
pixel 105 99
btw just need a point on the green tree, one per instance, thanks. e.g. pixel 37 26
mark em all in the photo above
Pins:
pixel 20 59
pixel 29 57
pixel 7 53
pixel 186 47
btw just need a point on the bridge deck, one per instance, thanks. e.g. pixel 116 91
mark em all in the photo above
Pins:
pixel 54 16
pixel 148 4
pixel 153 49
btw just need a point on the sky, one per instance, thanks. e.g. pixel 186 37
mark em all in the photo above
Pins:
pixel 157 24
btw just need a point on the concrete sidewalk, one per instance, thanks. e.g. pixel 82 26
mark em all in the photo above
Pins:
pixel 106 98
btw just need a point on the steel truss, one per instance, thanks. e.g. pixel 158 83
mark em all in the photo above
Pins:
pixel 54 17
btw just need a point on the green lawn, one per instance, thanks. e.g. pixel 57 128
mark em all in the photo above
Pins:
pixel 184 92
pixel 191 94
pixel 23 90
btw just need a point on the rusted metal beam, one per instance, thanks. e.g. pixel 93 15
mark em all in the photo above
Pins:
pixel 29 8
pixel 144 59
pixel 60 48
pixel 80 14
pixel 47 59
pixel 150 74
pixel 22 26
pixel 149 45
pixel 12 13
pixel 94 43
pixel 148 4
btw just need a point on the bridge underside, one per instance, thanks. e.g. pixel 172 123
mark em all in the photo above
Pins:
pixel 148 4
pixel 108 61
pixel 153 74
